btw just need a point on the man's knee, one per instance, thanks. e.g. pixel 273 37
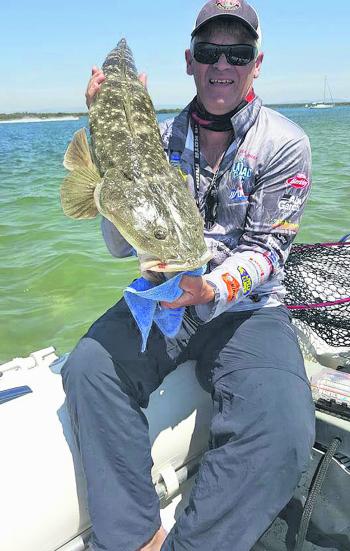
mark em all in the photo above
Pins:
pixel 268 411
pixel 291 446
pixel 291 433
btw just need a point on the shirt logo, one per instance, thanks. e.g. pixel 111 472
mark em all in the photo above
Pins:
pixel 259 266
pixel 285 225
pixel 232 285
pixel 272 258
pixel 228 4
pixel 299 181
pixel 175 159
pixel 183 175
pixel 241 170
pixel 237 196
pixel 290 203
pixel 246 280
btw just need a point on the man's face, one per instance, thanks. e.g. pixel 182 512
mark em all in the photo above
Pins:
pixel 221 87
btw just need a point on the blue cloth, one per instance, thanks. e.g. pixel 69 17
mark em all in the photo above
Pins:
pixel 143 298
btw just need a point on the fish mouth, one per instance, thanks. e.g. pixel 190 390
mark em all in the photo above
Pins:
pixel 156 265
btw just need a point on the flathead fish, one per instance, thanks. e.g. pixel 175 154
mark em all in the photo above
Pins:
pixel 126 177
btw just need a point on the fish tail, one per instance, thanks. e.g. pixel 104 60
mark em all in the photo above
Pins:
pixel 120 60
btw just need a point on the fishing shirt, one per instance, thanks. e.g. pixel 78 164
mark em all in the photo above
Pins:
pixel 263 183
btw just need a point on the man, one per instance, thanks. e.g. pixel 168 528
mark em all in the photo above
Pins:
pixel 249 170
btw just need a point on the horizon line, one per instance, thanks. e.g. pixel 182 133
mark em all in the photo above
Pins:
pixel 157 108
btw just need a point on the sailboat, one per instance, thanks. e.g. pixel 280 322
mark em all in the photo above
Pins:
pixel 323 104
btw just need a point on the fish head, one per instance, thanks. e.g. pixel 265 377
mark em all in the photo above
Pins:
pixel 157 215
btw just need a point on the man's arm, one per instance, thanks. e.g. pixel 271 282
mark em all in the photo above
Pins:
pixel 115 242
pixel 273 219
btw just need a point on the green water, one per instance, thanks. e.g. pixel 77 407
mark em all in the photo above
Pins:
pixel 56 275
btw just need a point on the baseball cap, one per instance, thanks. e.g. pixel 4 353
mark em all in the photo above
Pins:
pixel 239 9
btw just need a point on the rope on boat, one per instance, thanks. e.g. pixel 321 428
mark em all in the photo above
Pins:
pixel 315 490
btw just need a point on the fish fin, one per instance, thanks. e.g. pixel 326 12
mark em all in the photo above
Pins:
pixel 78 153
pixel 77 193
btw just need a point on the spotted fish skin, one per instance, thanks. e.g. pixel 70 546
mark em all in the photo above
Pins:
pixel 138 191
pixel 123 125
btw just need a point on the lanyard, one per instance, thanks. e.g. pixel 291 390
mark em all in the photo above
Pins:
pixel 212 189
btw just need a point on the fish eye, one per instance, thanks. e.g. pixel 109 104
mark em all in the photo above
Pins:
pixel 160 233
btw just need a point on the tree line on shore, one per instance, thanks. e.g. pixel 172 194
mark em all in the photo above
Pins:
pixel 27 114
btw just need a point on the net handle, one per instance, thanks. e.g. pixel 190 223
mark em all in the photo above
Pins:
pixel 319 304
pixel 317 245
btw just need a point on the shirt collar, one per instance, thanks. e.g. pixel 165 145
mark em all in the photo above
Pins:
pixel 182 134
pixel 246 117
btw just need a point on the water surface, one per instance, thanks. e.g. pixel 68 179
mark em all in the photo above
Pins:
pixel 56 275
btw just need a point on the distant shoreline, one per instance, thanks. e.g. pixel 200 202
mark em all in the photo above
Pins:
pixel 7 118
pixel 42 117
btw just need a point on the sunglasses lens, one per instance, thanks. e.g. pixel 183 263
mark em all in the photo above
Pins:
pixel 240 54
pixel 237 54
pixel 206 53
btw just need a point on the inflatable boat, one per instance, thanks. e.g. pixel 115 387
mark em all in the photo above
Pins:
pixel 43 493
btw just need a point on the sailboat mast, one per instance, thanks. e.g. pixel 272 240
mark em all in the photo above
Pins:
pixel 327 88
pixel 330 93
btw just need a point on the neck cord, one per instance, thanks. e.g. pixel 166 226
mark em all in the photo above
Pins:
pixel 219 123
pixel 212 189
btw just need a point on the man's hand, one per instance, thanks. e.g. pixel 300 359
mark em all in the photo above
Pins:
pixel 143 79
pixel 195 291
pixel 94 84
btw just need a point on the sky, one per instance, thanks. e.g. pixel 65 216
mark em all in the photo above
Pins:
pixel 48 49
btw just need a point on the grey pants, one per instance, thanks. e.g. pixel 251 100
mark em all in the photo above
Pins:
pixel 261 434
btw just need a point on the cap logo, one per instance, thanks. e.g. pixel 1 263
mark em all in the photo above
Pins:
pixel 228 4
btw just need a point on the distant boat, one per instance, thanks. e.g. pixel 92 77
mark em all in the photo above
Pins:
pixel 323 104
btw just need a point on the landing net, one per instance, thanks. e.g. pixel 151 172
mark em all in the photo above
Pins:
pixel 318 289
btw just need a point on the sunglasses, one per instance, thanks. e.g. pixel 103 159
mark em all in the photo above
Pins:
pixel 236 54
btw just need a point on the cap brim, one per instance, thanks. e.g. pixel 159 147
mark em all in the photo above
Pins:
pixel 227 15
